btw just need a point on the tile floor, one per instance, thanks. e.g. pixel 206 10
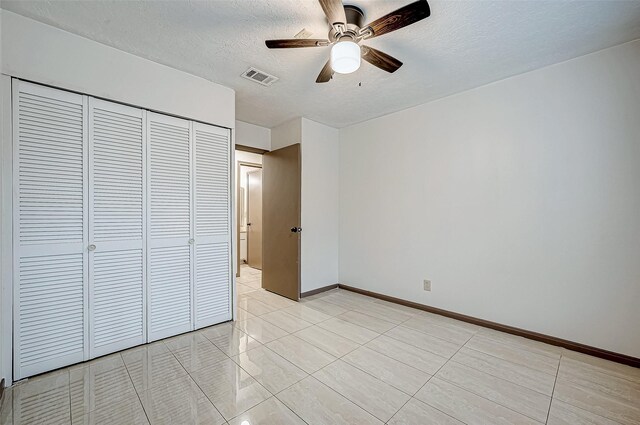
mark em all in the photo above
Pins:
pixel 334 358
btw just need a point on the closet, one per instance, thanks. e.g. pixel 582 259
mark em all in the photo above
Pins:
pixel 121 222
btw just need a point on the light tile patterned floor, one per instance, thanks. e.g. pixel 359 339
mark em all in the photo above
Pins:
pixel 334 358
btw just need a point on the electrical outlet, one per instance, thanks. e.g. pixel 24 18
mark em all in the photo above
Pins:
pixel 427 285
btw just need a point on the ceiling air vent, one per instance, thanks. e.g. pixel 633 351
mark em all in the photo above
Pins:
pixel 259 77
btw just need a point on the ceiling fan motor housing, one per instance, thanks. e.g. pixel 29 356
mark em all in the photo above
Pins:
pixel 355 19
pixel 355 15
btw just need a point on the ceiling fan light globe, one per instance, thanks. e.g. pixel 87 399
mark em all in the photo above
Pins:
pixel 345 57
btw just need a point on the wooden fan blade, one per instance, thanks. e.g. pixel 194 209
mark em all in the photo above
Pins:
pixel 295 42
pixel 402 17
pixel 326 73
pixel 334 9
pixel 380 59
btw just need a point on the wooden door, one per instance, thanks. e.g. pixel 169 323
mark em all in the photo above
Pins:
pixel 254 220
pixel 281 188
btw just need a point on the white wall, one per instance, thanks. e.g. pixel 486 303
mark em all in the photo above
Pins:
pixel 41 53
pixel 253 135
pixel 319 241
pixel 286 134
pixel 520 200
pixel 320 188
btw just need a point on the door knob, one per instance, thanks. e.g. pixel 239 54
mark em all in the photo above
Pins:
pixel 296 229
pixel 91 247
pixel 192 241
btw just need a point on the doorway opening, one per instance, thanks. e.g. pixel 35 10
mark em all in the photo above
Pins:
pixel 249 220
pixel 268 216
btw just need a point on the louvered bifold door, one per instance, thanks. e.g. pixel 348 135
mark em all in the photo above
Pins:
pixel 212 276
pixel 50 232
pixel 170 240
pixel 116 227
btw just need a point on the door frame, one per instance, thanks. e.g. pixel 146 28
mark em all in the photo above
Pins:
pixel 6 230
pixel 239 165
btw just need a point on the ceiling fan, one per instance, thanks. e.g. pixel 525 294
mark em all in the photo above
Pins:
pixel 346 32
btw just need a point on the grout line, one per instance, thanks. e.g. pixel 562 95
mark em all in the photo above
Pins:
pixel 483 397
pixel 450 327
pixel 513 362
pixel 316 311
pixel 339 358
pixel 410 396
pixel 343 395
pixel 311 344
pixel 368 373
pixel 400 361
pixel 434 336
pixel 492 401
pixel 554 388
pixel 70 406
pixel 401 407
pixel 506 361
pixel 234 329
pixel 194 380
pixel 256 381
pixel 479 395
pixel 429 380
pixel 365 314
pixel 439 410
pixel 292 316
pixel 286 360
pixel 273 396
pixel 267 322
pixel 415 346
pixel 345 337
pixel 518 347
pixel 276 396
pixel 136 390
pixel 443 365
pixel 503 379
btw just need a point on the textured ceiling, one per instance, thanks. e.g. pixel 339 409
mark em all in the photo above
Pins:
pixel 464 44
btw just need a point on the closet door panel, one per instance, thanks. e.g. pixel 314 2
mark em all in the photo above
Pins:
pixel 212 284
pixel 170 288
pixel 212 288
pixel 212 157
pixel 170 234
pixel 117 301
pixel 170 167
pixel 116 227
pixel 50 170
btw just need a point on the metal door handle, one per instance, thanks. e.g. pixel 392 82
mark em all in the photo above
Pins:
pixel 192 241
pixel 91 247
pixel 296 229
